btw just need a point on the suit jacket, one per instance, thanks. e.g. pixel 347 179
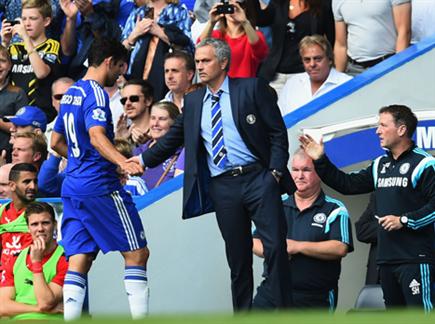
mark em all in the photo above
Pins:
pixel 259 122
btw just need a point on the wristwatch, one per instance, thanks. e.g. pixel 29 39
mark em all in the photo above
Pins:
pixel 403 220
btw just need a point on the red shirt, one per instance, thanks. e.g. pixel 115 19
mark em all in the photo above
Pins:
pixel 245 57
pixel 12 243
pixel 7 276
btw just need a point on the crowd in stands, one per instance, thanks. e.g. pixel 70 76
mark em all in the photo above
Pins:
pixel 313 46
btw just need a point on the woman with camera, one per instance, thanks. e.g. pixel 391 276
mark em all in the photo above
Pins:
pixel 236 27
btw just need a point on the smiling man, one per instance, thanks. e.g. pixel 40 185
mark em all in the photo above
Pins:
pixel 403 181
pixel 31 285
pixel 319 76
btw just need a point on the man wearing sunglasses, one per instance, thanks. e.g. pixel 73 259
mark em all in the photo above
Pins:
pixel 136 98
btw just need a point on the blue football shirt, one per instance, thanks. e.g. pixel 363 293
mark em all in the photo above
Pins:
pixel 84 106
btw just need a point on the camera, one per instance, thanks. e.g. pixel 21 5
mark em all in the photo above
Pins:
pixel 12 22
pixel 225 8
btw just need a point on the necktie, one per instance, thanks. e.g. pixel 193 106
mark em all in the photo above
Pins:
pixel 218 145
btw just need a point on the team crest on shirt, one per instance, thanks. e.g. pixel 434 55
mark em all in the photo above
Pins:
pixel 415 287
pixel 404 168
pixel 99 114
pixel 142 235
pixel 319 219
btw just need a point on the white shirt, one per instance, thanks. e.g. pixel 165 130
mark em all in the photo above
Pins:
pixel 297 90
pixel 170 97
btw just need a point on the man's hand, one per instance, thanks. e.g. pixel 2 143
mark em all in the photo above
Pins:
pixel 37 250
pixel 390 223
pixel 138 135
pixel 311 147
pixel 293 247
pixel 69 8
pixel 85 6
pixel 131 167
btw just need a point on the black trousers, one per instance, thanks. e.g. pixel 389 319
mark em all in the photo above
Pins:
pixel 407 285
pixel 238 200
pixel 326 299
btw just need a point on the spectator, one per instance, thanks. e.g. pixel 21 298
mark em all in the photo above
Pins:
pixel 29 148
pixel 163 115
pixel 369 32
pixel 27 119
pixel 134 185
pixel 58 88
pixel 179 72
pixel 248 46
pixel 366 228
pixel 150 32
pixel 12 98
pixel 137 98
pixel 85 21
pixel 12 11
pixel 319 76
pixel 43 264
pixel 5 190
pixel 319 235
pixel 403 181
pixel 14 234
pixel 290 21
pixel 35 60
pixel 423 16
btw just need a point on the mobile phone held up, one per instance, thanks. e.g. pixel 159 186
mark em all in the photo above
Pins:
pixel 225 8
pixel 12 22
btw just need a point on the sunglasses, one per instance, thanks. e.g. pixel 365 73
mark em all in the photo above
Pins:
pixel 58 96
pixel 134 98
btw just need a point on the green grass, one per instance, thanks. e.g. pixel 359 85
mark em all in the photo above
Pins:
pixel 301 317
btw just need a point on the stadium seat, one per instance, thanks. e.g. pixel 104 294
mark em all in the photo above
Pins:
pixel 370 298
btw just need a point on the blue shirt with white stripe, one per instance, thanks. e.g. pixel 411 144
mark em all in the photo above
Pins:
pixel 86 105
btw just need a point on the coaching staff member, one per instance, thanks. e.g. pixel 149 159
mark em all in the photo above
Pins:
pixel 319 235
pixel 239 175
pixel 403 181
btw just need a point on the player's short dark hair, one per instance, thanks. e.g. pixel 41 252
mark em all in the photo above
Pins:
pixel 187 58
pixel 39 207
pixel 145 87
pixel 402 115
pixel 103 48
pixel 14 174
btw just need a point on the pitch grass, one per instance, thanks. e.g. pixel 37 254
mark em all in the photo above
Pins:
pixel 301 317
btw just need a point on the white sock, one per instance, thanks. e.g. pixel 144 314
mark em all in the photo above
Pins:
pixel 74 291
pixel 136 286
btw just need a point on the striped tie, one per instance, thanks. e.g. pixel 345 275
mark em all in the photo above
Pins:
pixel 218 145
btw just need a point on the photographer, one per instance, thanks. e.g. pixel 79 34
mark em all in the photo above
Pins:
pixel 236 27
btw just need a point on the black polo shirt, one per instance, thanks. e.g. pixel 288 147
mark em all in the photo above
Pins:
pixel 327 219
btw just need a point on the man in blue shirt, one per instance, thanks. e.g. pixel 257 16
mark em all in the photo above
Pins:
pixel 98 214
pixel 236 153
